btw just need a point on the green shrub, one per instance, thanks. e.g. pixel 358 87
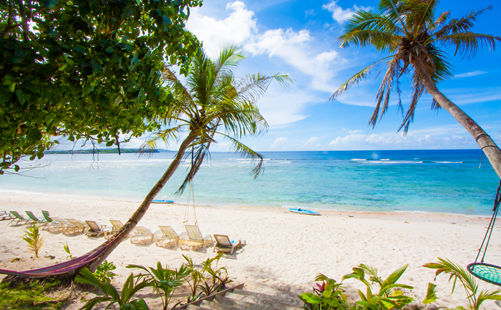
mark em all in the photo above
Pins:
pixel 327 295
pixel 104 271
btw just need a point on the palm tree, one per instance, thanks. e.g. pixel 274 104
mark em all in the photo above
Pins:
pixel 210 103
pixel 409 31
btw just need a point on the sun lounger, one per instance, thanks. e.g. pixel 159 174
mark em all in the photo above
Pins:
pixel 46 216
pixel 34 218
pixel 4 215
pixel 195 239
pixel 142 235
pixel 94 230
pixel 18 218
pixel 116 226
pixel 56 225
pixel 169 238
pixel 225 245
pixel 73 227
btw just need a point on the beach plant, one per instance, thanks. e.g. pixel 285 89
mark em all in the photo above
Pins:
pixel 327 295
pixel 123 299
pixel 414 39
pixel 212 104
pixel 194 279
pixel 104 271
pixel 475 296
pixel 216 276
pixel 390 294
pixel 163 280
pixel 66 248
pixel 34 239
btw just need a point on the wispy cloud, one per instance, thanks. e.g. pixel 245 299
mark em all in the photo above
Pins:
pixel 469 74
pixel 469 96
pixel 432 138
pixel 340 14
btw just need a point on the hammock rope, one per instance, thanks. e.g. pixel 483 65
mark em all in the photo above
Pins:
pixel 484 271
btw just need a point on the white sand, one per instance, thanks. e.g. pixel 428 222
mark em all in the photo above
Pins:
pixel 284 251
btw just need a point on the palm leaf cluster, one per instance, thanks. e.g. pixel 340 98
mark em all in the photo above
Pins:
pixel 211 102
pixel 415 39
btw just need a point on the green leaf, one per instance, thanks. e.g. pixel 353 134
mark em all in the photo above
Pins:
pixel 430 294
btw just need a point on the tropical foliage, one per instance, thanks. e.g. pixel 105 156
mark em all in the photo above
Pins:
pixel 33 238
pixel 104 272
pixel 85 69
pixel 475 296
pixel 327 295
pixel 203 280
pixel 415 39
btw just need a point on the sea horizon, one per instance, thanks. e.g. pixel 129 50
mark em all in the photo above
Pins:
pixel 448 180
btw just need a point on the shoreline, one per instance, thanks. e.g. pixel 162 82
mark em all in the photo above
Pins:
pixel 322 210
pixel 284 251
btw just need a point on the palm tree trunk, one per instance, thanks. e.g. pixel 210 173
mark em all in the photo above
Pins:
pixel 487 145
pixel 138 215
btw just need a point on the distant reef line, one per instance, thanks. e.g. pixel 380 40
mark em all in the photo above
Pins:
pixel 105 151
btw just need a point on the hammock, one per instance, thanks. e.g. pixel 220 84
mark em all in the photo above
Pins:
pixel 484 271
pixel 62 270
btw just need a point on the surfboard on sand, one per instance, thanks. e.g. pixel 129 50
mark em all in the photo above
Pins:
pixel 303 211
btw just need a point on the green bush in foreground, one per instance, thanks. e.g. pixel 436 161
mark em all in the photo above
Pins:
pixel 33 238
pixel 329 294
pixel 30 295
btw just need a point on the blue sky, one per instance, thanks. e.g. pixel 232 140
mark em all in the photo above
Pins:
pixel 300 38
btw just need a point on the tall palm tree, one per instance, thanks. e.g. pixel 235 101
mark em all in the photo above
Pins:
pixel 210 103
pixel 410 33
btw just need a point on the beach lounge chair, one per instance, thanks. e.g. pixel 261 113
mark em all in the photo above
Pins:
pixel 142 235
pixel 18 218
pixel 34 218
pixel 46 216
pixel 225 245
pixel 195 239
pixel 73 227
pixel 169 238
pixel 94 230
pixel 4 215
pixel 116 226
pixel 56 225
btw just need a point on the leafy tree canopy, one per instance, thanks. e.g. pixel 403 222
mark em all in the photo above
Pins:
pixel 86 69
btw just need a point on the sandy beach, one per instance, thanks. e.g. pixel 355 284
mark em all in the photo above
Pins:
pixel 284 251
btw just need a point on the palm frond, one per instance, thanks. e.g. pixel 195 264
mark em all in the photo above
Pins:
pixel 439 21
pixel 355 78
pixel 247 152
pixel 366 28
pixel 467 43
pixel 165 135
pixel 463 24
pixel 393 10
pixel 384 91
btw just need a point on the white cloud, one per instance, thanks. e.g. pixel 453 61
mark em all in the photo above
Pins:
pixel 239 27
pixel 472 95
pixel 339 14
pixel 235 29
pixel 295 48
pixel 281 106
pixel 469 74
pixel 439 137
pixel 279 143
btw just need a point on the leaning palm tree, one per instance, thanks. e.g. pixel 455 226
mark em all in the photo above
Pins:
pixel 410 33
pixel 210 103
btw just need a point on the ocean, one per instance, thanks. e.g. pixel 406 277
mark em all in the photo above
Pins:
pixel 452 181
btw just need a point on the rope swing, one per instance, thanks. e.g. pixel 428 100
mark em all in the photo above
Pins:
pixel 484 271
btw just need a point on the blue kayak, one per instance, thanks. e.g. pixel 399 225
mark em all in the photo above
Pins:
pixel 303 211
pixel 162 201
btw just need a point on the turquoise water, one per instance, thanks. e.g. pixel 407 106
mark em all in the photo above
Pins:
pixel 456 181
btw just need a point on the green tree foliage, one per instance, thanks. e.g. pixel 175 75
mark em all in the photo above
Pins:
pixel 85 69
